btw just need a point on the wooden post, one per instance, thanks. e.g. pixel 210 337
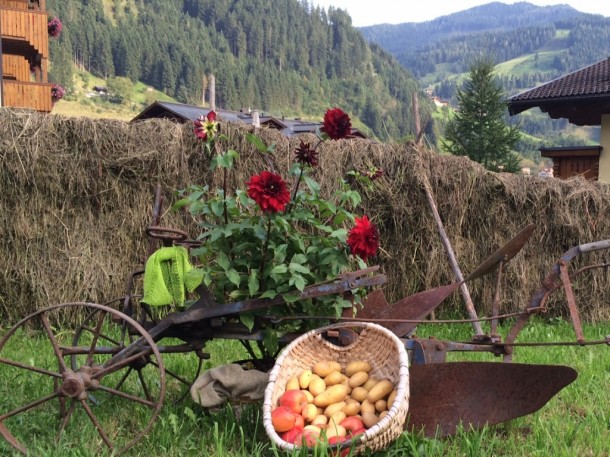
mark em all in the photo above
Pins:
pixel 1 70
pixel 212 92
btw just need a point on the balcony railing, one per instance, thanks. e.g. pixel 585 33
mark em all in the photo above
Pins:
pixel 18 94
pixel 27 26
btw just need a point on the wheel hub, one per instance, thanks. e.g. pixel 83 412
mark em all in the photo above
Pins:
pixel 76 384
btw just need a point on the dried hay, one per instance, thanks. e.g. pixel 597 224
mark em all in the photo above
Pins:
pixel 77 194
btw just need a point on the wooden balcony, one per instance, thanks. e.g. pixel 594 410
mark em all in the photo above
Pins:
pixel 574 160
pixel 19 94
pixel 24 32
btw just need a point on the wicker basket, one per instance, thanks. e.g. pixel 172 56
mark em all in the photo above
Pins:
pixel 375 344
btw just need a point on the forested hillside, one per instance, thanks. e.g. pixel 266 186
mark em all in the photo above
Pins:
pixel 530 44
pixel 280 56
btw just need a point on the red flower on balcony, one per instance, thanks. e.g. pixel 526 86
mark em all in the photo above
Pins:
pixel 54 26
pixel 206 126
pixel 57 93
pixel 363 239
pixel 269 191
pixel 337 124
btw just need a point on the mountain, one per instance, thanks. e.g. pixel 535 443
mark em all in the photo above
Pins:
pixel 493 16
pixel 530 44
pixel 283 57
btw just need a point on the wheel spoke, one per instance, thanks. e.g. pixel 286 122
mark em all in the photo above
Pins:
pixel 30 368
pixel 144 385
pixel 125 376
pixel 95 422
pixel 24 408
pixel 96 333
pixel 118 393
pixel 60 359
pixel 116 366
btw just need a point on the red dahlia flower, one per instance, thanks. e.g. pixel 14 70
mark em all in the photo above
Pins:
pixel 306 155
pixel 269 191
pixel 363 239
pixel 206 126
pixel 337 124
pixel 54 27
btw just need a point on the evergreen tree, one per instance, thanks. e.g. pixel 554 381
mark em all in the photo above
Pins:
pixel 479 129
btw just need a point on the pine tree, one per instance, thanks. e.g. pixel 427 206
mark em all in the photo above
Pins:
pixel 478 129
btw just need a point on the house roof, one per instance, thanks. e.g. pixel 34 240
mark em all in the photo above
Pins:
pixel 189 113
pixel 581 97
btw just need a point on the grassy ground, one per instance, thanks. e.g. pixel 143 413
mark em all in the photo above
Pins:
pixel 574 423
pixel 85 102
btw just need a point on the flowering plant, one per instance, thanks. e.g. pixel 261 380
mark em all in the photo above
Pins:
pixel 57 92
pixel 54 27
pixel 267 240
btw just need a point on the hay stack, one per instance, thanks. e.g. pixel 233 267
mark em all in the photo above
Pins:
pixel 77 194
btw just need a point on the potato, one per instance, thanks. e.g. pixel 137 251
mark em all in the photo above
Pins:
pixel 369 419
pixel 337 417
pixel 359 394
pixel 391 398
pixel 381 405
pixel 380 390
pixel 358 379
pixel 320 420
pixel 326 367
pixel 352 407
pixel 331 409
pixel 293 383
pixel 332 394
pixel 305 379
pixel 367 407
pixel 309 396
pixel 356 366
pixel 334 377
pixel 317 386
pixel 382 414
pixel 370 383
pixel 335 430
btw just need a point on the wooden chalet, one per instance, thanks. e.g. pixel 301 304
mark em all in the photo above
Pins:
pixel 24 55
pixel 180 112
pixel 582 97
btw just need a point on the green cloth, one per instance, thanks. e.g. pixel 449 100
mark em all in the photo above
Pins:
pixel 165 277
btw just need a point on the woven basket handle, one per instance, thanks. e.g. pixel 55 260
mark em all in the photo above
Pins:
pixel 346 334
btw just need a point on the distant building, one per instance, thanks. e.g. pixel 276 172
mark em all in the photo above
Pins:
pixel 582 97
pixel 189 113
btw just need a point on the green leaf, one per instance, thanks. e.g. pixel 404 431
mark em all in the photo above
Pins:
pixel 291 297
pixel 340 234
pixel 257 142
pixel 270 340
pixel 253 282
pixel 298 268
pixel 269 294
pixel 196 275
pixel 312 184
pixel 297 281
pixel 217 208
pixel 247 319
pixel 223 261
pixel 233 276
pixel 279 269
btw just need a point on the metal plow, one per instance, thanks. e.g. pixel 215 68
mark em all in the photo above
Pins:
pixel 445 396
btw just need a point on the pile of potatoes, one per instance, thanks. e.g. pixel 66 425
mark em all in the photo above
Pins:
pixel 331 402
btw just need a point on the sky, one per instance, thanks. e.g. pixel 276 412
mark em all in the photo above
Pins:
pixel 371 12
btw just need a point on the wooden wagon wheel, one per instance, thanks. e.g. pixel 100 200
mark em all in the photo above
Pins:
pixel 90 383
pixel 180 370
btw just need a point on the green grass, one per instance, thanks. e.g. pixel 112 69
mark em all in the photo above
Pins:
pixel 575 423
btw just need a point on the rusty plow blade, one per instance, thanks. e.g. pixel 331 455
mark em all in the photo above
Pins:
pixel 414 307
pixel 475 394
